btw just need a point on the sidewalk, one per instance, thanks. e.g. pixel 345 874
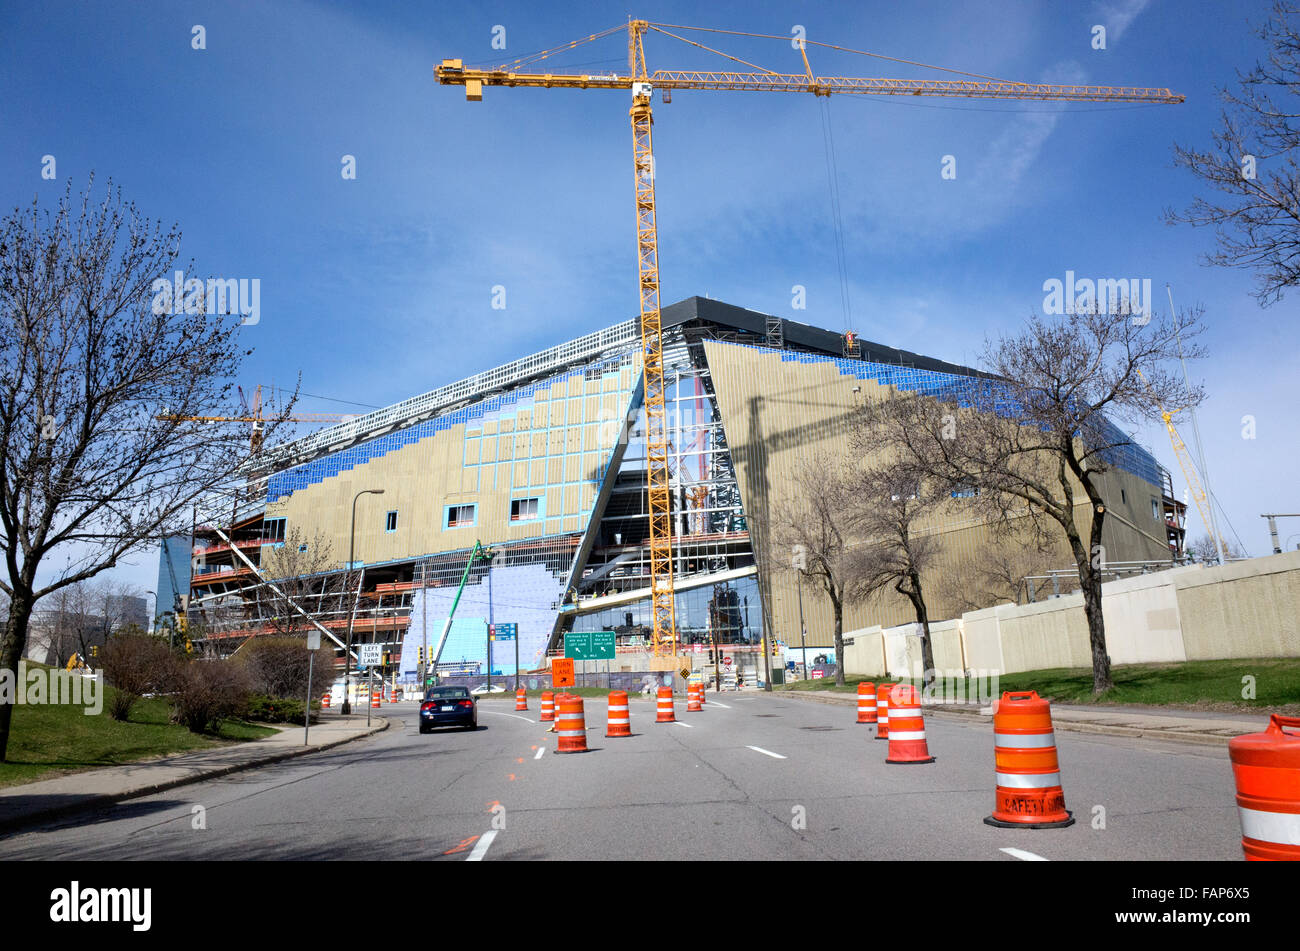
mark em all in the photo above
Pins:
pixel 23 806
pixel 1186 726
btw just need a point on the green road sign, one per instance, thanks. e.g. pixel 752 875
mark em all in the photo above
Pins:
pixel 589 645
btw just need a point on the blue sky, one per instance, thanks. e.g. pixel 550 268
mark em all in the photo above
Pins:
pixel 379 288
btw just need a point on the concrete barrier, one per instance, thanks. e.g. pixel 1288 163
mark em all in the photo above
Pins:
pixel 1244 609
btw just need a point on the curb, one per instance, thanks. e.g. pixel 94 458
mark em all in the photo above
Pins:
pixel 21 823
pixel 1200 739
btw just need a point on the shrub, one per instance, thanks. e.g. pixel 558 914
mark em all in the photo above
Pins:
pixel 208 691
pixel 134 664
pixel 277 667
pixel 276 709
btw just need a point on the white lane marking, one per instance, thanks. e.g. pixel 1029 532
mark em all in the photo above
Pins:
pixel 1023 855
pixel 719 703
pixel 481 847
pixel 541 751
pixel 515 715
pixel 680 723
pixel 759 749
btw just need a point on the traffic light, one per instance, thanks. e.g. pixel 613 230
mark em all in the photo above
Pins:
pixel 420 653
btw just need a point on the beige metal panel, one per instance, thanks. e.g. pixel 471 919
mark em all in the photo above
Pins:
pixel 538 474
pixel 524 419
pixel 489 450
pixel 555 470
pixel 571 498
pixel 573 439
pixel 776 413
pixel 554 502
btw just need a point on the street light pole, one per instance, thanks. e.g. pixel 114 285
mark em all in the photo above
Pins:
pixel 803 629
pixel 487 557
pixel 347 651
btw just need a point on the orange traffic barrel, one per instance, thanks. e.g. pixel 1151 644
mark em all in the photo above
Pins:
pixel 521 699
pixel 392 696
pixel 571 725
pixel 548 706
pixel 1266 768
pixel 702 689
pixel 693 692
pixel 620 715
pixel 882 710
pixel 906 727
pixel 1028 775
pixel 376 698
pixel 665 697
pixel 325 701
pixel 867 703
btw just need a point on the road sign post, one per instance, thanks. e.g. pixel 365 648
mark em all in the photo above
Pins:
pixel 313 645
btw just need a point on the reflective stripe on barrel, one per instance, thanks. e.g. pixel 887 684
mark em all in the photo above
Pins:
pixel 866 703
pixel 620 717
pixel 882 710
pixel 665 706
pixel 1027 773
pixel 571 725
pixel 1266 770
pixel 906 727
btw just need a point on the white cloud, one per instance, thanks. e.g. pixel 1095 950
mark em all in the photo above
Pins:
pixel 1117 15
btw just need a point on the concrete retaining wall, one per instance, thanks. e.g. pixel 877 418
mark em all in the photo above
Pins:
pixel 1244 609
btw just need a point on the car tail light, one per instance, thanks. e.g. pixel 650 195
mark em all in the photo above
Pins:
pixel 427 705
pixel 465 703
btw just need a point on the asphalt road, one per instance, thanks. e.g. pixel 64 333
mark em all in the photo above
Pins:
pixel 708 787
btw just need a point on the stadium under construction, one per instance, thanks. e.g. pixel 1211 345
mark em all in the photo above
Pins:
pixel 541 460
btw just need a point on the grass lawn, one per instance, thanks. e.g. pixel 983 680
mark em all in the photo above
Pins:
pixel 1201 685
pixel 49 740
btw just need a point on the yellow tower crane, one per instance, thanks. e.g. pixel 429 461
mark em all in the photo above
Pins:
pixel 642 83
pixel 1199 495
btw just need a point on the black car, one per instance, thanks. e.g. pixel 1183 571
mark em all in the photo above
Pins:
pixel 448 706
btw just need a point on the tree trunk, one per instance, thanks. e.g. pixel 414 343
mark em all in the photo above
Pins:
pixel 838 607
pixel 1090 582
pixel 15 641
pixel 923 618
pixel 1090 579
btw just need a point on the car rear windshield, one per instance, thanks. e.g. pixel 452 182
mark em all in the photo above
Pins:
pixel 447 693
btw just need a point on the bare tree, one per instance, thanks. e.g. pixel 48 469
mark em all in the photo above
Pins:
pixel 888 508
pixel 301 569
pixel 1205 551
pixel 997 575
pixel 90 358
pixel 1253 165
pixel 809 525
pixel 1035 437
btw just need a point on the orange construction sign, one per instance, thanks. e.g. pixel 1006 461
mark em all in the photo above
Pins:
pixel 562 672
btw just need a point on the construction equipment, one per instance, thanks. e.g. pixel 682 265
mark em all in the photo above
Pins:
pixel 1185 463
pixel 481 552
pixel 253 414
pixel 642 83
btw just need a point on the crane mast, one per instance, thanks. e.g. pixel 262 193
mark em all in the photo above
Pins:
pixel 642 84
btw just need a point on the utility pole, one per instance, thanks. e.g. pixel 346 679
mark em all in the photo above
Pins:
pixel 1272 527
